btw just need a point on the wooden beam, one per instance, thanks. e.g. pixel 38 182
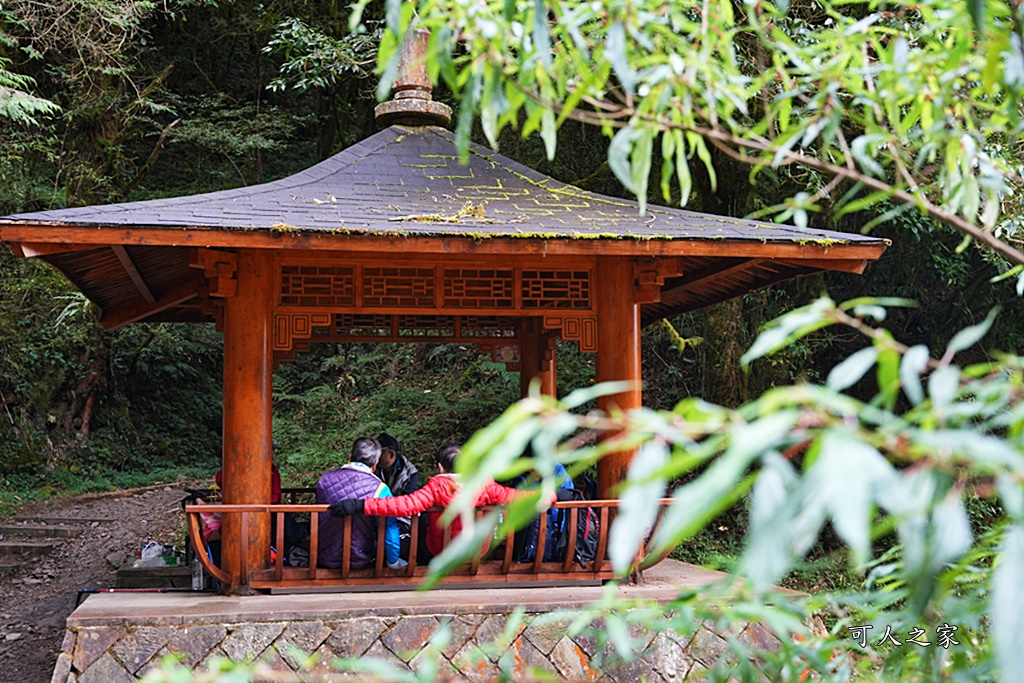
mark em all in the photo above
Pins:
pixel 133 272
pixel 115 318
pixel 718 270
pixel 34 249
pixel 323 240
pixel 855 266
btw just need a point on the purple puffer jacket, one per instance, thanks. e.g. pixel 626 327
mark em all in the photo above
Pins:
pixel 348 482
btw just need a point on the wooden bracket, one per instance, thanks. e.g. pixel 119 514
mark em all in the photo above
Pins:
pixel 650 275
pixel 219 267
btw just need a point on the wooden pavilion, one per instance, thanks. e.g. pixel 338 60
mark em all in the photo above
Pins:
pixel 395 240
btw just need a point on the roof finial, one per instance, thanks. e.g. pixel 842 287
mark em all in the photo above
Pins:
pixel 412 104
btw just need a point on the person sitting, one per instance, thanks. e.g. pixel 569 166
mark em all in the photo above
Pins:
pixel 355 481
pixel 402 478
pixel 438 491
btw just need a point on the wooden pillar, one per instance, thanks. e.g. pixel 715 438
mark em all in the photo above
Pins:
pixel 549 371
pixel 536 358
pixel 618 354
pixel 248 452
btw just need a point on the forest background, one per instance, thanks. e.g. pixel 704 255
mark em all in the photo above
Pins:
pixel 142 100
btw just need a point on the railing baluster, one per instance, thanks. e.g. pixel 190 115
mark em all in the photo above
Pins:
pixel 414 540
pixel 570 547
pixel 378 566
pixel 245 548
pixel 346 551
pixel 542 539
pixel 474 565
pixel 314 543
pixel 602 539
pixel 279 544
pixel 510 545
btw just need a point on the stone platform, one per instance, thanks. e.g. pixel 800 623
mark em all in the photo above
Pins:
pixel 117 637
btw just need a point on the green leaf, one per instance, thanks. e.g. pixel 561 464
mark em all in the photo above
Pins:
pixel 643 153
pixel 915 360
pixel 846 477
pixel 616 50
pixel 619 152
pixel 850 371
pixel 970 336
pixel 859 149
pixel 943 385
pixel 768 552
pixel 952 530
pixel 1007 603
pixel 541 34
pixel 1011 492
pixel 787 329
pixel 638 505
pixel 683 170
pixel 977 10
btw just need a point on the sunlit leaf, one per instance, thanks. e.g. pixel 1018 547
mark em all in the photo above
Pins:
pixel 1007 603
pixel 619 152
pixel 639 503
pixel 850 371
pixel 915 360
pixel 970 336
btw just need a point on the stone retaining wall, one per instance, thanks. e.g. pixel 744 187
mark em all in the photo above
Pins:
pixel 116 654
pixel 116 638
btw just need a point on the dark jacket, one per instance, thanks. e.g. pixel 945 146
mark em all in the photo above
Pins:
pixel 403 478
pixel 351 481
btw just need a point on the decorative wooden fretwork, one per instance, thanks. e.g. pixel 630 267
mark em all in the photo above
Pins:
pixel 320 286
pixel 291 328
pixel 486 326
pixel 575 328
pixel 387 287
pixel 441 289
pixel 219 267
pixel 467 288
pixel 368 325
pixel 556 289
pixel 425 325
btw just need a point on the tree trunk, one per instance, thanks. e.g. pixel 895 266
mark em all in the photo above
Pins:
pixel 725 382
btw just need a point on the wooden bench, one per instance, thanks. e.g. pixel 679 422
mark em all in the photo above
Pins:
pixel 495 567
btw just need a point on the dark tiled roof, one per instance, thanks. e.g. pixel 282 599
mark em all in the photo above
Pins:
pixel 408 181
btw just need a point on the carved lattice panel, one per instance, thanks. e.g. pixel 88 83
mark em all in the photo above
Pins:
pixel 488 327
pixel 577 329
pixel 479 288
pixel 292 326
pixel 556 289
pixel 322 286
pixel 386 287
pixel 426 325
pixel 363 324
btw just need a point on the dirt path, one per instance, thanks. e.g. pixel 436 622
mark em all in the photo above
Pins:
pixel 36 601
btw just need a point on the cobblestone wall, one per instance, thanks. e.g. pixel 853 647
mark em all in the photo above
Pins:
pixel 478 648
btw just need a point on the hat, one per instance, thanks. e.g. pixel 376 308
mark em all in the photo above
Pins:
pixel 388 441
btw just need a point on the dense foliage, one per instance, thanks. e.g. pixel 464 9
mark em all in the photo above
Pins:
pixel 857 112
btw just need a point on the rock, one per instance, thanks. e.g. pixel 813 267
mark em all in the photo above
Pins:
pixel 116 559
pixel 12 636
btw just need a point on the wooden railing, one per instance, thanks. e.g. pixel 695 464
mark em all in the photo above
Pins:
pixel 496 566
